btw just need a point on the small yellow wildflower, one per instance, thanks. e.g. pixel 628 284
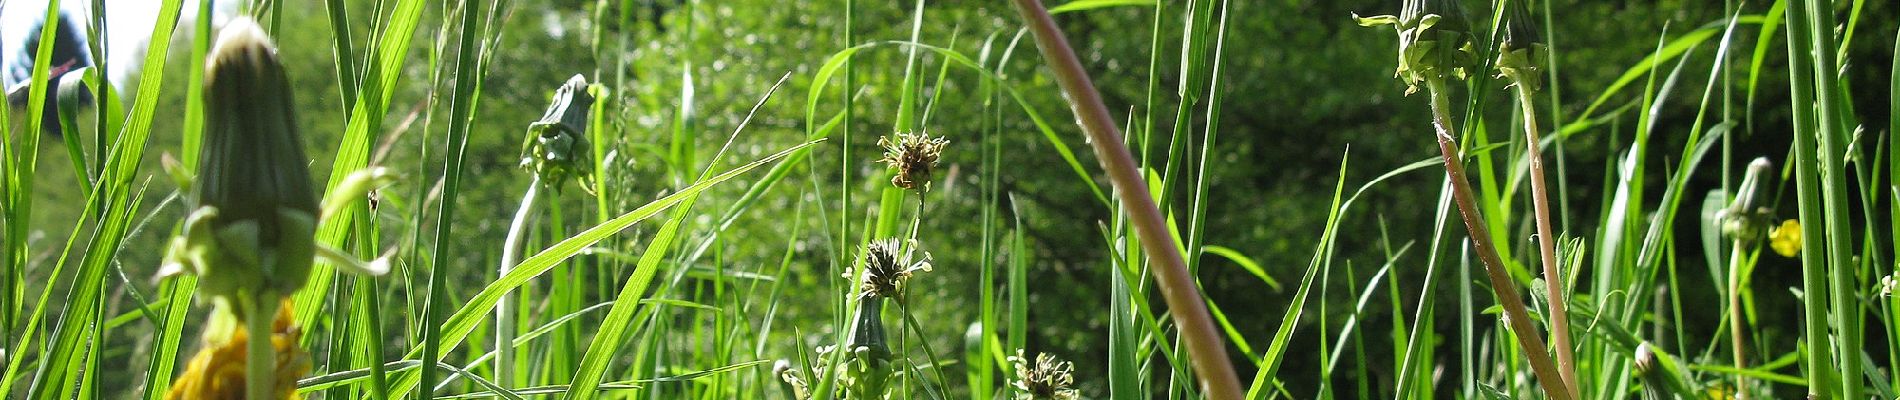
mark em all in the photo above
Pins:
pixel 1786 239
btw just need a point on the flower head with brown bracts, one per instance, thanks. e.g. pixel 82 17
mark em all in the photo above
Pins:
pixel 1046 379
pixel 914 155
pixel 887 266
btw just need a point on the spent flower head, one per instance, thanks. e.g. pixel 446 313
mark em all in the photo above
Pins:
pixel 1434 40
pixel 914 155
pixel 1046 379
pixel 556 147
pixel 1522 53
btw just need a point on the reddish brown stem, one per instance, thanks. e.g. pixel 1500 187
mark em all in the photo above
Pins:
pixel 1206 350
pixel 1514 311
pixel 1546 245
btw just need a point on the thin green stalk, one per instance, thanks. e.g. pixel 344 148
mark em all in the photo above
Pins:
pixel 1554 280
pixel 1737 255
pixel 1846 306
pixel 260 369
pixel 1514 311
pixel 461 109
pixel 505 309
pixel 1207 353
pixel 1813 262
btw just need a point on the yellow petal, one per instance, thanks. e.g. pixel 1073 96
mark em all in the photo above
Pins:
pixel 1786 239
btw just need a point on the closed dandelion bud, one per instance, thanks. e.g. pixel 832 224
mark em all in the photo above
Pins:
pixel 1434 40
pixel 867 367
pixel 914 155
pixel 867 329
pixel 1047 378
pixel 1521 53
pixel 1747 218
pixel 257 207
pixel 557 146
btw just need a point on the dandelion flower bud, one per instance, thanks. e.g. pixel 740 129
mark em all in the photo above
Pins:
pixel 253 189
pixel 1748 216
pixel 914 155
pixel 1521 53
pixel 1434 40
pixel 1047 379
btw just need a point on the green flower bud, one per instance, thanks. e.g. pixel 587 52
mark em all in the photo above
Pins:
pixel 1748 217
pixel 1434 40
pixel 1522 54
pixel 255 227
pixel 867 330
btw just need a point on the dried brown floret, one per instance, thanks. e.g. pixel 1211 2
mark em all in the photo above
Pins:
pixel 914 155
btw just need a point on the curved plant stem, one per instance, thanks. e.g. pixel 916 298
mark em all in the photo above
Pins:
pixel 1514 311
pixel 505 308
pixel 1736 257
pixel 1205 348
pixel 1555 284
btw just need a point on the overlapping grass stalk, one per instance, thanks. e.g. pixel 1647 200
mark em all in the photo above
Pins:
pixel 1204 347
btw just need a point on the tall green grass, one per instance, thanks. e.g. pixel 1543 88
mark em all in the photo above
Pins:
pixel 692 264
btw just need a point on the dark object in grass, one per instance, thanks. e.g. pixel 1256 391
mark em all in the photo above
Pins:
pixel 69 53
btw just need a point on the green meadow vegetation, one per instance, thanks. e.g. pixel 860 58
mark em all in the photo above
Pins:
pixel 1022 199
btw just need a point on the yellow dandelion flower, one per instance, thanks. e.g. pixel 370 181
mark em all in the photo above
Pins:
pixel 217 371
pixel 1786 239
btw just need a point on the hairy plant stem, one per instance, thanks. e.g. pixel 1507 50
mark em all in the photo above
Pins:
pixel 505 308
pixel 1736 256
pixel 260 366
pixel 1514 311
pixel 1206 350
pixel 1554 282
